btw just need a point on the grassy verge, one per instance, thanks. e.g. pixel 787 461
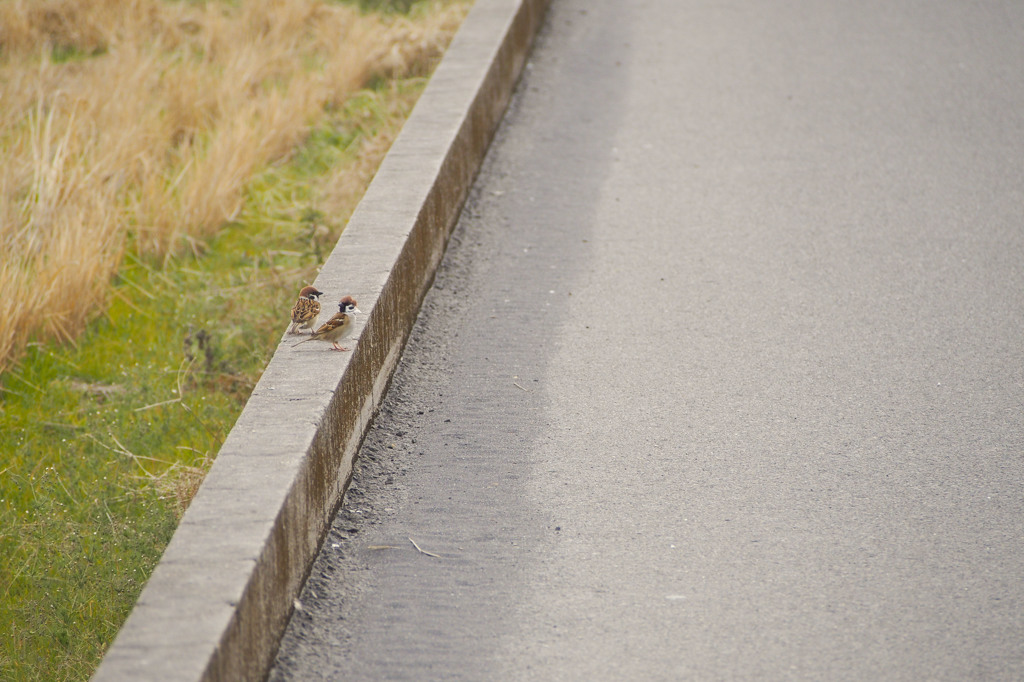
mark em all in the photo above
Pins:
pixel 104 440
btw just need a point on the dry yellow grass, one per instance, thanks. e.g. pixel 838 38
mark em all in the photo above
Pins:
pixel 136 124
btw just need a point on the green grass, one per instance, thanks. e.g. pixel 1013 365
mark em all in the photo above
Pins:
pixel 102 443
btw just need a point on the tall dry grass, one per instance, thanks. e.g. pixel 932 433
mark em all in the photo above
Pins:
pixel 136 124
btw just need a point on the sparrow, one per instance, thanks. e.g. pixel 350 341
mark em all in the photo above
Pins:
pixel 339 326
pixel 305 311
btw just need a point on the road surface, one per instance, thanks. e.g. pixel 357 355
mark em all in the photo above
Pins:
pixel 723 374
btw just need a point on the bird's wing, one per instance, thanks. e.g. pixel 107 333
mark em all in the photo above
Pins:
pixel 305 310
pixel 337 320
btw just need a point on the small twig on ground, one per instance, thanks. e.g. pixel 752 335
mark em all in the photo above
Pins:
pixel 162 402
pixel 67 492
pixel 121 449
pixel 106 510
pixel 520 387
pixel 25 381
pixel 423 551
pixel 183 368
pixel 125 451
pixel 58 425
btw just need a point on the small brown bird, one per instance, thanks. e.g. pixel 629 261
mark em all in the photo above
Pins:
pixel 305 311
pixel 339 326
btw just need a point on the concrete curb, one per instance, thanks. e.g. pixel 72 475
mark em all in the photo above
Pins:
pixel 218 601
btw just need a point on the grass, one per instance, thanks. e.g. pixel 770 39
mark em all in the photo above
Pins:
pixel 135 126
pixel 105 437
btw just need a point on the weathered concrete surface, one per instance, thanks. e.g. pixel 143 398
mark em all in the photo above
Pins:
pixel 723 378
pixel 219 599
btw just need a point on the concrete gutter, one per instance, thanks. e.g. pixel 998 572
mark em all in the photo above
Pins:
pixel 218 601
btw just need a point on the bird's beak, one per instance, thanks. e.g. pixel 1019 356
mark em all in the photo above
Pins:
pixel 357 310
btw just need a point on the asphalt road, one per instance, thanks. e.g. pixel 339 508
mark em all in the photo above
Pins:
pixel 723 374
